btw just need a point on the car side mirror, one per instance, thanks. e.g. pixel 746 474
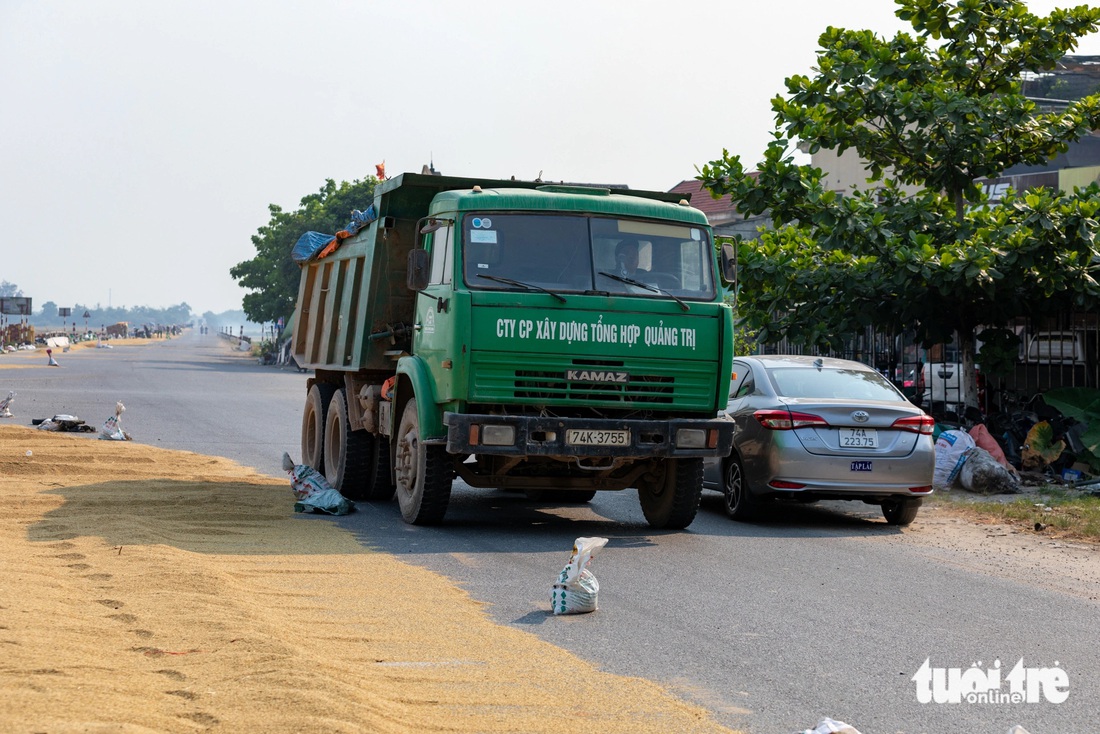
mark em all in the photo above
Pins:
pixel 416 276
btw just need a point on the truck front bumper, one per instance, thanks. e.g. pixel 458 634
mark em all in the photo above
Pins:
pixel 513 435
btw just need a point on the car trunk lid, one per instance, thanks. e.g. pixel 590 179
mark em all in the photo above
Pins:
pixel 869 430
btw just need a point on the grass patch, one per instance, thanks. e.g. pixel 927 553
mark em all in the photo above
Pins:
pixel 1055 510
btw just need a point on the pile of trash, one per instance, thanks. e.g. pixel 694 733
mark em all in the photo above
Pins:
pixel 998 453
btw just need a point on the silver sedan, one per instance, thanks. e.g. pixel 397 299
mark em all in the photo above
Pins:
pixel 810 428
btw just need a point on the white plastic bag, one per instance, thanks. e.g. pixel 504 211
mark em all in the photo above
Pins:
pixel 951 449
pixel 576 589
pixel 313 491
pixel 5 405
pixel 831 726
pixel 112 427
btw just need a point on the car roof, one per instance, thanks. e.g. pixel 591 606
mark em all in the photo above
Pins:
pixel 768 361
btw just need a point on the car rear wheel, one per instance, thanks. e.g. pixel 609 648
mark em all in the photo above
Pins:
pixel 741 504
pixel 901 512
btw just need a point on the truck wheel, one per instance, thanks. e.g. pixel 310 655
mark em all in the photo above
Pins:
pixel 671 502
pixel 424 473
pixel 381 484
pixel 901 512
pixel 313 424
pixel 348 454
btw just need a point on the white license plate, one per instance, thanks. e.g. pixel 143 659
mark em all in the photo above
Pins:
pixel 581 437
pixel 858 438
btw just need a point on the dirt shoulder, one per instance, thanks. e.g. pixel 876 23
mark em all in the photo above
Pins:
pixel 948 532
pixel 152 590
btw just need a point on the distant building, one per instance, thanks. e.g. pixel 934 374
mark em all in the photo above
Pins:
pixel 720 213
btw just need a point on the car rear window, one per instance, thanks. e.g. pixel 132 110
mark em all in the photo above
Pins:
pixel 802 382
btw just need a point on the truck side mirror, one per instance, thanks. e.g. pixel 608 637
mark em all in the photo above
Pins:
pixel 729 263
pixel 416 276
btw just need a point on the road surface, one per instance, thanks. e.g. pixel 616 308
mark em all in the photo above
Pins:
pixel 822 611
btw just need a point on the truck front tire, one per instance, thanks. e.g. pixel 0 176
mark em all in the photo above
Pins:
pixel 313 424
pixel 424 473
pixel 671 501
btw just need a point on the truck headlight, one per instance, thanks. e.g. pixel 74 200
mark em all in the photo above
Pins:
pixel 498 435
pixel 691 438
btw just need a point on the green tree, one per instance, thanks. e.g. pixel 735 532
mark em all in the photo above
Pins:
pixel 9 290
pixel 272 276
pixel 920 246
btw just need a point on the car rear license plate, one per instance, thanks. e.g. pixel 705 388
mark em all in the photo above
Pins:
pixel 861 466
pixel 858 438
pixel 582 437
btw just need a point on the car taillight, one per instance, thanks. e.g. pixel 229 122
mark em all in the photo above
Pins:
pixel 926 489
pixel 916 423
pixel 785 420
pixel 781 484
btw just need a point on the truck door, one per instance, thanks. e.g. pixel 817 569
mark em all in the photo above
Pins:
pixel 434 341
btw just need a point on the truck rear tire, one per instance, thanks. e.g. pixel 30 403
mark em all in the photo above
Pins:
pixel 349 455
pixel 382 487
pixel 424 473
pixel 672 501
pixel 313 424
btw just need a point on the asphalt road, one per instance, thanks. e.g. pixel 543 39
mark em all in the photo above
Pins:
pixel 771 626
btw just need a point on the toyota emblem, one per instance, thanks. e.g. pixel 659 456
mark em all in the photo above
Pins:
pixel 861 416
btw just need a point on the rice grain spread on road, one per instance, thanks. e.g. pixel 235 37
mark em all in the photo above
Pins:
pixel 152 590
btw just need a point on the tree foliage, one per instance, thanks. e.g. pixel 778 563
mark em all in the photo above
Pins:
pixel 920 246
pixel 98 316
pixel 272 276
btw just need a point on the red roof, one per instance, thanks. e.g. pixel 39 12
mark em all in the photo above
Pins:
pixel 700 198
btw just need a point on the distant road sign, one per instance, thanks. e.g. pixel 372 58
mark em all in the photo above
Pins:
pixel 15 306
pixel 87 315
pixel 64 311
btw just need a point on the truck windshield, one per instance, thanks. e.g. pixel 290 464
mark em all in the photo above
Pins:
pixel 586 254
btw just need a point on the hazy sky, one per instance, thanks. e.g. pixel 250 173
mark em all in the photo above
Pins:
pixel 141 141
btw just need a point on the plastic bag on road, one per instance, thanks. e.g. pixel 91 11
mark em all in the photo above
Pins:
pixel 5 405
pixel 576 589
pixel 68 423
pixel 312 490
pixel 831 726
pixel 112 427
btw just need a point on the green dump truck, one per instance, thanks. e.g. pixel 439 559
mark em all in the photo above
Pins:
pixel 550 339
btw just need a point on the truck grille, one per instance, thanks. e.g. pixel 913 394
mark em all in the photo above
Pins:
pixel 658 384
